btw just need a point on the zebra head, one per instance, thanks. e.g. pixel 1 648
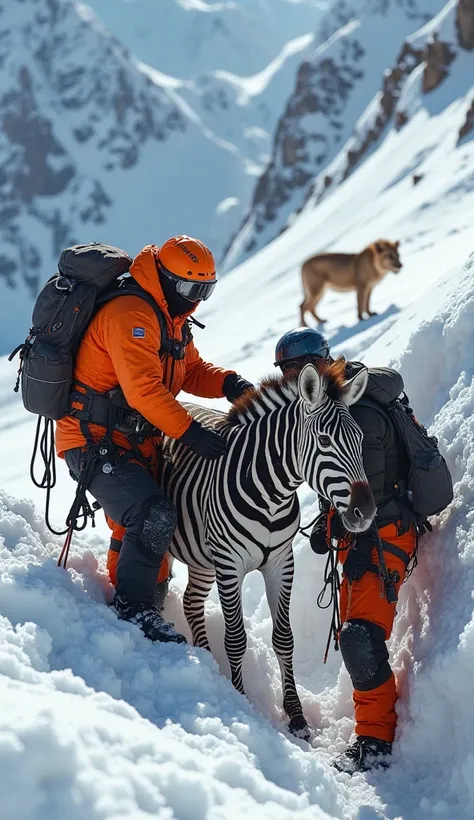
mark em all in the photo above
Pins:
pixel 330 446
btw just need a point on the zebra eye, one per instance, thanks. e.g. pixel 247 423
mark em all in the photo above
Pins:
pixel 324 441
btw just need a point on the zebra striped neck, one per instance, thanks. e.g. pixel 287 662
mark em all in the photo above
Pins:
pixel 273 412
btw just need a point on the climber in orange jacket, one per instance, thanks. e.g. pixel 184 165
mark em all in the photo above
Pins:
pixel 129 367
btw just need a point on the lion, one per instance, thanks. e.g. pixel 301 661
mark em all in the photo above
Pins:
pixel 348 271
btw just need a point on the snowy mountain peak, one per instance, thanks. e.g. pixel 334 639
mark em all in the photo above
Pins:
pixel 186 38
pixel 101 140
pixel 71 115
pixel 345 95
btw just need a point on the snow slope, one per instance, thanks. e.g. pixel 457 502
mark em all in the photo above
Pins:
pixel 188 38
pixel 234 64
pixel 98 723
pixel 379 63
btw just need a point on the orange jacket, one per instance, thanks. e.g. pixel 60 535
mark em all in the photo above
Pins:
pixel 110 354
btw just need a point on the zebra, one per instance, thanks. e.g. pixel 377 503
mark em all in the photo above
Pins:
pixel 241 512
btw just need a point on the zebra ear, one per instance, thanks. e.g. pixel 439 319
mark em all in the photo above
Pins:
pixel 311 386
pixel 354 388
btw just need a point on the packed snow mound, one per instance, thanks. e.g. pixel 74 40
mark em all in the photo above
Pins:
pixel 100 723
pixel 433 640
pixel 97 722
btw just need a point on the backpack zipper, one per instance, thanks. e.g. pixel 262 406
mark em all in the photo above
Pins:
pixel 56 313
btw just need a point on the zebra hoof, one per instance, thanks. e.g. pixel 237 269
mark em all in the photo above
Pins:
pixel 299 728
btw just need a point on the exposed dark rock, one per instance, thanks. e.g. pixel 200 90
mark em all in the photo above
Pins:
pixel 468 124
pixel 323 89
pixel 408 59
pixel 465 24
pixel 313 124
pixel 32 135
pixel 65 85
pixel 401 119
pixel 437 57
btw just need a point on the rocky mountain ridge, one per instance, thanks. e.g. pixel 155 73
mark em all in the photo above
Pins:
pixel 326 131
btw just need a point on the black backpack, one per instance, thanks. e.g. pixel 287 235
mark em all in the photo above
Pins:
pixel 429 486
pixel 88 276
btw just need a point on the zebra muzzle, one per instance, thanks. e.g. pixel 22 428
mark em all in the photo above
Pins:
pixel 361 510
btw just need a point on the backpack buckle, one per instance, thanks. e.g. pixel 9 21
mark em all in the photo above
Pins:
pixel 63 283
pixel 177 350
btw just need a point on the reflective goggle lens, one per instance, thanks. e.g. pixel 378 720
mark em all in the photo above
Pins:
pixel 300 361
pixel 195 291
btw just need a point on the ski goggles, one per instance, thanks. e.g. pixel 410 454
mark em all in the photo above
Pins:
pixel 193 291
pixel 299 361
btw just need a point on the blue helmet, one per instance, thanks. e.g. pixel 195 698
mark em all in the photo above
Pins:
pixel 301 343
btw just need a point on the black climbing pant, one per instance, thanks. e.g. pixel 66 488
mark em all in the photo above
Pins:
pixel 129 495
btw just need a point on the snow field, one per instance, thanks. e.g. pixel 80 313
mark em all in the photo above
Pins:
pixel 99 723
pixel 108 725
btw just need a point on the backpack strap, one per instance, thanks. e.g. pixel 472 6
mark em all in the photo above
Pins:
pixel 169 347
pixel 399 493
pixel 110 410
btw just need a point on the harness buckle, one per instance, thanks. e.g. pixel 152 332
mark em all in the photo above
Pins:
pixel 390 591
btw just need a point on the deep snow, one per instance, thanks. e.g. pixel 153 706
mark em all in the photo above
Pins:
pixel 99 723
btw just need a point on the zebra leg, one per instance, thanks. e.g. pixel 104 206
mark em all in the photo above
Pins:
pixel 199 585
pixel 278 577
pixel 229 584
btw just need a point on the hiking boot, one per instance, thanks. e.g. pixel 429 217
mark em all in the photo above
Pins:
pixel 148 618
pixel 365 754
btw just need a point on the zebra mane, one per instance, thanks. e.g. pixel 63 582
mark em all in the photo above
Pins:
pixel 282 390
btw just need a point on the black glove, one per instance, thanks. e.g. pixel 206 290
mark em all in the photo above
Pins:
pixel 318 537
pixel 235 386
pixel 358 560
pixel 203 441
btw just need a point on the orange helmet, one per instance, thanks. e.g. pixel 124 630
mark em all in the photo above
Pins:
pixel 190 264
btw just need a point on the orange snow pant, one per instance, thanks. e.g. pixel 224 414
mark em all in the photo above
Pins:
pixel 367 623
pixel 118 533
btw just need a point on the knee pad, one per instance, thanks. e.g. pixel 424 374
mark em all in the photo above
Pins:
pixel 365 654
pixel 159 519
